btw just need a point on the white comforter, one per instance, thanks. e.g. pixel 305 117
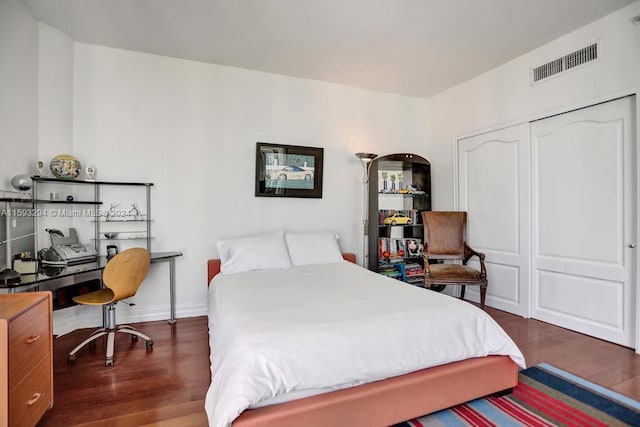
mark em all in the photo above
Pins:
pixel 331 326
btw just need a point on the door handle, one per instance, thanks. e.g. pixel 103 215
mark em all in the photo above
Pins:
pixel 632 245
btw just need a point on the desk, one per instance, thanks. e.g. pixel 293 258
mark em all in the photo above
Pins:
pixel 169 257
pixel 50 278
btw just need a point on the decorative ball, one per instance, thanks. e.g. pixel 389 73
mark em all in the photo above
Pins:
pixel 65 166
pixel 21 183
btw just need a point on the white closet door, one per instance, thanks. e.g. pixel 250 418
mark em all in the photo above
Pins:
pixel 493 187
pixel 584 199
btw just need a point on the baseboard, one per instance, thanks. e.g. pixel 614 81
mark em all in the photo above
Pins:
pixel 80 316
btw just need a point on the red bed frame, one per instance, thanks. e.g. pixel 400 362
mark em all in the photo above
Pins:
pixel 390 401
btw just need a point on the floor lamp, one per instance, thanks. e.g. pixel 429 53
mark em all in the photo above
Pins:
pixel 366 159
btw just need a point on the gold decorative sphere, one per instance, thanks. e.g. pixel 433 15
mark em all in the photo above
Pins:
pixel 65 166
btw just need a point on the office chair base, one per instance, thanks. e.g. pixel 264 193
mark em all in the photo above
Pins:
pixel 111 336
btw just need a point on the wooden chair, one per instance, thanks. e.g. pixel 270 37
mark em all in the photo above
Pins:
pixel 122 277
pixel 445 235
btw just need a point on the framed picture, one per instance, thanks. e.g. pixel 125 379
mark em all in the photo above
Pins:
pixel 288 171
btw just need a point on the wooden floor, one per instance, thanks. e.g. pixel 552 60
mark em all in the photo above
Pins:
pixel 167 386
pixel 164 385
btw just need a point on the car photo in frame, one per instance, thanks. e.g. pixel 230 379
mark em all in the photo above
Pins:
pixel 288 171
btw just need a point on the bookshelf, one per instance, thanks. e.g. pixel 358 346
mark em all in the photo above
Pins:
pixel 399 190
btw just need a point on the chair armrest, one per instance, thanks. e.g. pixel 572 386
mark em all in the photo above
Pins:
pixel 425 257
pixel 469 252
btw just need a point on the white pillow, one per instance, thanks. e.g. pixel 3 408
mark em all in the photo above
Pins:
pixel 313 248
pixel 261 252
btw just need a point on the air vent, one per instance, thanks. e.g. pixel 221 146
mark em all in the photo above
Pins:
pixel 565 63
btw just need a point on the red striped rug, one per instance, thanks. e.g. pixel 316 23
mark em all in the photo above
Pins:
pixel 544 396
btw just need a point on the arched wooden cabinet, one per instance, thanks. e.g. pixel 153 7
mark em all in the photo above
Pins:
pixel 399 190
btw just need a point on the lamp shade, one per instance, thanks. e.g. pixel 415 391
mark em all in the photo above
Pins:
pixel 366 157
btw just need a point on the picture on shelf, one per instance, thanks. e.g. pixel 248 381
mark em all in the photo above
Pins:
pixel 414 248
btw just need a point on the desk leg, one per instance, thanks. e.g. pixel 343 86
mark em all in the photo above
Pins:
pixel 172 289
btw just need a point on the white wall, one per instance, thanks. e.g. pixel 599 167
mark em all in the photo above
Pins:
pixel 18 91
pixel 18 112
pixel 55 110
pixel 504 95
pixel 55 93
pixel 191 128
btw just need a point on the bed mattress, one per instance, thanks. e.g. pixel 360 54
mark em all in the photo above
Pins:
pixel 284 334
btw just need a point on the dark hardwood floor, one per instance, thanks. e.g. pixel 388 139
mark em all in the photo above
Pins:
pixel 167 386
pixel 164 386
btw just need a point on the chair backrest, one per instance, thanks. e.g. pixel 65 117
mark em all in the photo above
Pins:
pixel 125 272
pixel 445 234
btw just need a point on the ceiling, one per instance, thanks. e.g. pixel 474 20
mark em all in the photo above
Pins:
pixel 410 47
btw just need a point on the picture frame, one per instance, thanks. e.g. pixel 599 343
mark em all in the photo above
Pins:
pixel 288 171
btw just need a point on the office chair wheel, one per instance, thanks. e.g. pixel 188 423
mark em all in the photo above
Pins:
pixel 92 345
pixel 71 359
pixel 109 361
pixel 149 344
pixel 134 338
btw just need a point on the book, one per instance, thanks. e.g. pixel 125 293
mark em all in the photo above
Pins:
pixel 390 248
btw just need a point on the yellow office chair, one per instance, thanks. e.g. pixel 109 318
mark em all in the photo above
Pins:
pixel 122 277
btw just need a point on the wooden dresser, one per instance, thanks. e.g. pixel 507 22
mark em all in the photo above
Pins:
pixel 26 358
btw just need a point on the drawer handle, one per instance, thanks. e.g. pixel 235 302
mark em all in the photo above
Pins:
pixel 34 399
pixel 32 339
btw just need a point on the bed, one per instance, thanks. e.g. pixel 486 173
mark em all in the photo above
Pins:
pixel 335 344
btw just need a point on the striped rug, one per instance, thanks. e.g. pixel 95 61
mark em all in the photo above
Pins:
pixel 544 396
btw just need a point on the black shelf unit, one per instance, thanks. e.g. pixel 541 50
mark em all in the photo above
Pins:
pixel 414 196
pixel 145 219
pixel 66 202
pixel 88 181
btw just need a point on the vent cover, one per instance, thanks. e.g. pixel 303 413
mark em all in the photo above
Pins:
pixel 565 63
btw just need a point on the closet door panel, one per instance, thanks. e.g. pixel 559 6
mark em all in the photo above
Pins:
pixel 493 187
pixel 488 188
pixel 555 289
pixel 584 220
pixel 579 182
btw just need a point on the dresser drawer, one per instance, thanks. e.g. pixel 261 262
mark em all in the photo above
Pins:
pixel 29 341
pixel 32 396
